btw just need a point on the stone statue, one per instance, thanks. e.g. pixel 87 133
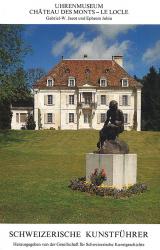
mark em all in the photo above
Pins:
pixel 113 126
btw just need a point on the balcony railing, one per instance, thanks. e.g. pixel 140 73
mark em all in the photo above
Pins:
pixel 83 105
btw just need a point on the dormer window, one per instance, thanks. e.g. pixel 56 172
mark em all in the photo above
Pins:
pixel 107 70
pixel 124 82
pixel 87 71
pixel 67 70
pixel 103 82
pixel 71 82
pixel 50 82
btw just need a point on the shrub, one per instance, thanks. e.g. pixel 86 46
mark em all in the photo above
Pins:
pixel 97 177
pixel 80 184
pixel 30 124
pixel 5 115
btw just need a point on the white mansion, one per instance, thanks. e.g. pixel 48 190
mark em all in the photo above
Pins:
pixel 75 94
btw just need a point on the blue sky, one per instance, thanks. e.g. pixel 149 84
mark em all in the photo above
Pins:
pixel 139 45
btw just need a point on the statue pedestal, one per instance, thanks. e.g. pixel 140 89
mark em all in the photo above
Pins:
pixel 121 169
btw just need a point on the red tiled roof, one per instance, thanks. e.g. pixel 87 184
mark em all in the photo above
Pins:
pixel 87 72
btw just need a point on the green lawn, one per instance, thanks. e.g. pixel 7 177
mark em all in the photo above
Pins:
pixel 36 167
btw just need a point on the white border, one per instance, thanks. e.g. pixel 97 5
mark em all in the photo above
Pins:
pixel 146 235
pixel 140 12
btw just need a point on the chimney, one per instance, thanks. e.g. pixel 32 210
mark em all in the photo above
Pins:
pixel 118 60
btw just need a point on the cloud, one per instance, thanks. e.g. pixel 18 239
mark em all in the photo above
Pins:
pixel 112 31
pixel 68 41
pixel 152 54
pixel 98 49
pixel 128 66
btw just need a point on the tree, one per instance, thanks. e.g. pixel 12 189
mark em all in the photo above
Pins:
pixel 5 115
pixel 34 74
pixel 12 49
pixel 12 79
pixel 21 92
pixel 16 92
pixel 151 100
pixel 39 119
pixel 30 124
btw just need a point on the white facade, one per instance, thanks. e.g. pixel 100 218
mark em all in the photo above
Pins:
pixel 19 117
pixel 84 107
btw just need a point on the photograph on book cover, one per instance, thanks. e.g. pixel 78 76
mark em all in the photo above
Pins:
pixel 79 120
pixel 79 124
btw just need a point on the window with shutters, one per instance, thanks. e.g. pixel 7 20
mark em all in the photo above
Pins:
pixel 103 82
pixel 50 82
pixel 98 100
pixel 103 117
pixel 124 100
pixel 50 99
pixel 99 118
pixel 125 118
pixel 71 82
pixel 124 82
pixel 49 118
pixel 87 117
pixel 103 99
pixel 23 117
pixel 17 117
pixel 71 117
pixel 71 99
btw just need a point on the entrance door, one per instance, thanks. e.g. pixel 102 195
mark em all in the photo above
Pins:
pixel 87 97
pixel 87 120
